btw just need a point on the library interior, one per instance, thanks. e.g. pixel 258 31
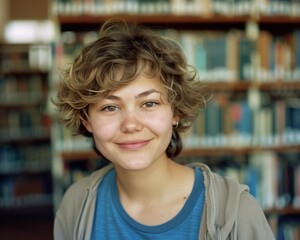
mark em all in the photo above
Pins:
pixel 246 51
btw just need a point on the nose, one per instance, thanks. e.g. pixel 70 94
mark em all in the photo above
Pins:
pixel 131 122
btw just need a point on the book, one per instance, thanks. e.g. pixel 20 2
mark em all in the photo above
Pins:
pixel 266 162
pixel 245 48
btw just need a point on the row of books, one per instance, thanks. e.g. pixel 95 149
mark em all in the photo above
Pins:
pixel 23 58
pixel 289 231
pixel 178 7
pixel 229 123
pixel 22 193
pixel 22 119
pixel 21 170
pixel 24 134
pixel 11 61
pixel 219 56
pixel 232 55
pixel 30 159
pixel 26 90
pixel 279 179
pixel 9 200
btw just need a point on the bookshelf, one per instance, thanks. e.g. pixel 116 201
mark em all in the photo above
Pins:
pixel 25 142
pixel 256 100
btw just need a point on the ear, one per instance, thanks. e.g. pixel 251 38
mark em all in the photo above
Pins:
pixel 175 120
pixel 87 125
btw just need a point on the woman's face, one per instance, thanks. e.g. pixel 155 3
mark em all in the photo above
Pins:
pixel 132 126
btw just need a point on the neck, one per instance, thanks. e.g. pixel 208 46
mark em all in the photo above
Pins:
pixel 156 194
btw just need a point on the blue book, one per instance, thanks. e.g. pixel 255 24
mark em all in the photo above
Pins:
pixel 246 119
pixel 244 57
pixel 200 56
pixel 293 115
pixel 252 180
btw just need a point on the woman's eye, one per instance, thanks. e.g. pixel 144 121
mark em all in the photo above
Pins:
pixel 110 108
pixel 150 104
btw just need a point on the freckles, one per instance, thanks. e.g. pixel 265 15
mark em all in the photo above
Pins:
pixel 104 129
pixel 160 121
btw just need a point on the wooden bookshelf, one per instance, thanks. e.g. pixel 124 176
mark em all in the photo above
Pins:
pixel 25 141
pixel 180 19
pixel 289 210
pixel 246 85
pixel 88 22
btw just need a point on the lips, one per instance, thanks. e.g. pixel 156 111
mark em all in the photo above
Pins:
pixel 133 145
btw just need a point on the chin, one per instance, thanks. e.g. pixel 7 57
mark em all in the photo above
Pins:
pixel 134 165
pixel 138 167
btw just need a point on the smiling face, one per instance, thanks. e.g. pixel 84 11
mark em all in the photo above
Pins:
pixel 132 126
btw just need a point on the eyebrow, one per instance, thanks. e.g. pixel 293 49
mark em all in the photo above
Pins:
pixel 140 95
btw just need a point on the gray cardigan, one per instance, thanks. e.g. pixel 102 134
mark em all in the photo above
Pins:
pixel 230 212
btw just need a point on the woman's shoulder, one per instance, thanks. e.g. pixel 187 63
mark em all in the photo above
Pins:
pixel 214 180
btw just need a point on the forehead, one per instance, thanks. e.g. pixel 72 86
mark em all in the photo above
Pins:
pixel 141 86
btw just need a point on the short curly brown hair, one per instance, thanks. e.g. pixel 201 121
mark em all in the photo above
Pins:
pixel 124 45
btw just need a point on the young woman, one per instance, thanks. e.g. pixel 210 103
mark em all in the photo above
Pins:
pixel 132 92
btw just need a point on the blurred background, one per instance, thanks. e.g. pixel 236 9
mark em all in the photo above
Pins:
pixel 246 51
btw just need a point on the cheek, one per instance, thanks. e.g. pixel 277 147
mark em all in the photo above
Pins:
pixel 104 130
pixel 161 123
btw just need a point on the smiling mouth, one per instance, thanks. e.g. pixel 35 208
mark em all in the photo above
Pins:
pixel 133 145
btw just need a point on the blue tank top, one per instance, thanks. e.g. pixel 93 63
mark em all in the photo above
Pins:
pixel 112 222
